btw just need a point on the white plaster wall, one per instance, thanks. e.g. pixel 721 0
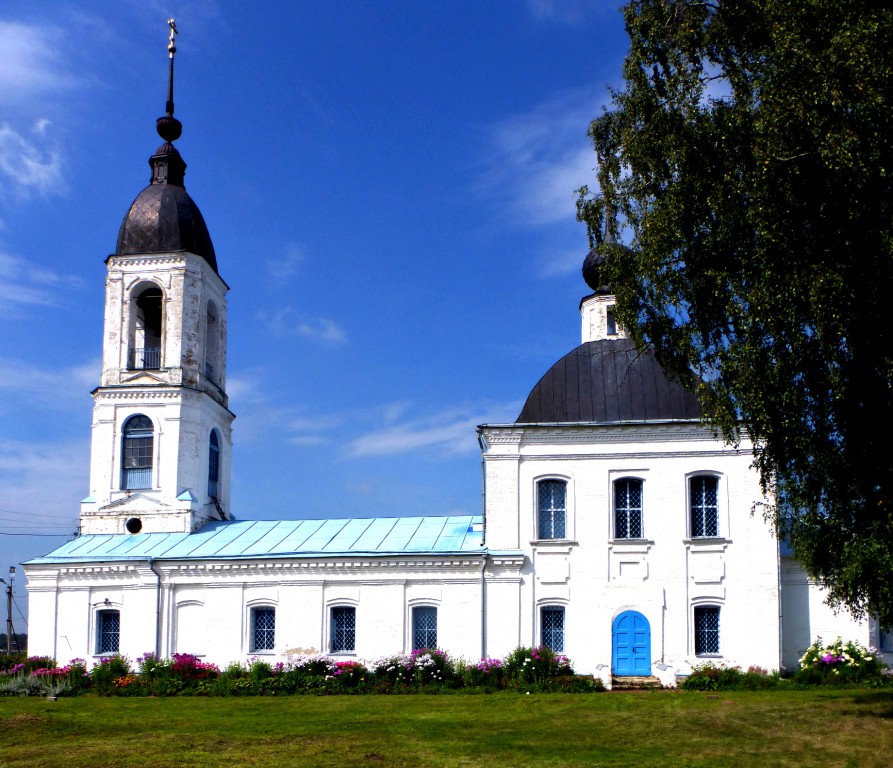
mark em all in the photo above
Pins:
pixel 806 616
pixel 664 576
pixel 218 597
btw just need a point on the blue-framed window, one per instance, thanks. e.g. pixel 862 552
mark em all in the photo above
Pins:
pixel 344 629
pixel 628 508
pixel 263 629
pixel 213 464
pixel 424 627
pixel 551 509
pixel 108 631
pixel 704 505
pixel 552 627
pixel 138 453
pixel 706 630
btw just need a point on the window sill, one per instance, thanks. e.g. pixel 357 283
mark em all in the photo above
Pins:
pixel 554 542
pixel 264 652
pixel 343 653
pixel 706 540
pixel 632 542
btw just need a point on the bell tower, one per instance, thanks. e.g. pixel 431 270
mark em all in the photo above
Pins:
pixel 162 430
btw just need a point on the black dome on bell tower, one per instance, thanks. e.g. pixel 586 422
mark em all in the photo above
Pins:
pixel 164 218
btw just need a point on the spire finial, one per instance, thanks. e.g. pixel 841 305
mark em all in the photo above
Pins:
pixel 168 127
pixel 171 50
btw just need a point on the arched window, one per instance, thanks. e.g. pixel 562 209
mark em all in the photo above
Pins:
pixel 552 627
pixel 343 620
pixel 263 629
pixel 145 347
pixel 213 464
pixel 424 627
pixel 212 343
pixel 706 630
pixel 628 508
pixel 551 509
pixel 703 497
pixel 108 631
pixel 138 450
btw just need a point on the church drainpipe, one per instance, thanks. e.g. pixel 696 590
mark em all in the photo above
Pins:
pixel 483 446
pixel 484 556
pixel 157 608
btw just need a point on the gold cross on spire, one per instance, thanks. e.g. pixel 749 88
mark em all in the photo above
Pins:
pixel 172 44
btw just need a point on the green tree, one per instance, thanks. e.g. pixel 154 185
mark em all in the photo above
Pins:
pixel 746 166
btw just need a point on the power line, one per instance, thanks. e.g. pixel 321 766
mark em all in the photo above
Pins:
pixel 51 535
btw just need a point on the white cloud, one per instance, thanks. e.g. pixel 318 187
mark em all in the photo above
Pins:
pixel 285 267
pixel 448 432
pixel 22 285
pixel 27 485
pixel 323 330
pixel 286 322
pixel 567 11
pixel 32 61
pixel 48 387
pixel 30 164
pixel 536 161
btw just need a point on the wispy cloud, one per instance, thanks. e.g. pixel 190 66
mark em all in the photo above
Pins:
pixel 48 387
pixel 27 487
pixel 284 267
pixel 31 163
pixel 567 11
pixel 536 160
pixel 286 322
pixel 22 284
pixel 32 62
pixel 449 432
pixel 34 71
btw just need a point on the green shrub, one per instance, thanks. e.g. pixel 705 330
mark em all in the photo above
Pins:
pixel 535 667
pixel 107 671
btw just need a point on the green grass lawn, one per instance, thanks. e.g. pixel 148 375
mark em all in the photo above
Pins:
pixel 771 728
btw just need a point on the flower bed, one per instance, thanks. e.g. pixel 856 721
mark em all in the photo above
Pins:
pixel 428 670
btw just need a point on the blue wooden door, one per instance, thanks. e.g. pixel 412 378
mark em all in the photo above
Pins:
pixel 631 653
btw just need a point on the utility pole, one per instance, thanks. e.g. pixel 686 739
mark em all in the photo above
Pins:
pixel 9 586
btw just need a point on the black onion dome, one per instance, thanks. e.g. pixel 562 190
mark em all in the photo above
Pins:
pixel 608 381
pixel 591 267
pixel 165 218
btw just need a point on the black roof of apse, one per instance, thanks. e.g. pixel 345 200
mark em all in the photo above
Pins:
pixel 164 218
pixel 607 381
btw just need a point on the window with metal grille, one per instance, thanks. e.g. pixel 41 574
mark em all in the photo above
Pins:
pixel 552 620
pixel 213 464
pixel 108 631
pixel 628 509
pixel 139 446
pixel 551 509
pixel 145 343
pixel 706 629
pixel 424 627
pixel 344 628
pixel 263 629
pixel 703 494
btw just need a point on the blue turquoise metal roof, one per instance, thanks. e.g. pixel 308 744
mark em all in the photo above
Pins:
pixel 242 539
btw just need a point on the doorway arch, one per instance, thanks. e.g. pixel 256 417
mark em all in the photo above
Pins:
pixel 631 645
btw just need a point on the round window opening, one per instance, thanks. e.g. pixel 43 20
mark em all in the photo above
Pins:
pixel 134 525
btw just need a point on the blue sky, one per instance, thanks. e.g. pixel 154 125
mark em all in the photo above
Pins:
pixel 390 191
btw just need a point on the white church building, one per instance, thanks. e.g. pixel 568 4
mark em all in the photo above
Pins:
pixel 616 527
